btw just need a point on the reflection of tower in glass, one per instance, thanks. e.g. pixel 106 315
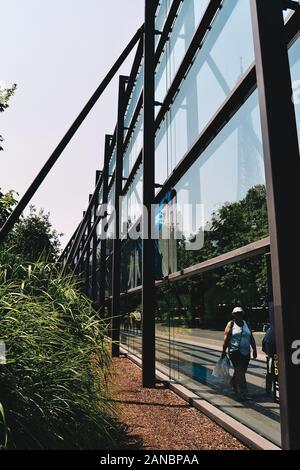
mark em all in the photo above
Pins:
pixel 163 242
pixel 172 237
pixel 249 154
pixel 167 233
pixel 134 276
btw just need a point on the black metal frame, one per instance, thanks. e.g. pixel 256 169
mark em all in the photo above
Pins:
pixel 271 74
pixel 102 271
pixel 9 224
pixel 283 195
pixel 148 261
pixel 117 239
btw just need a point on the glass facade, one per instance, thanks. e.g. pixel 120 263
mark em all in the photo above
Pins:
pixel 213 75
pixel 181 35
pixel 204 208
pixel 295 73
pixel 190 320
pixel 201 217
pixel 134 147
pixel 211 244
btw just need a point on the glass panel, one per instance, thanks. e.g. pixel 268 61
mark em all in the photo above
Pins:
pixel 100 195
pixel 112 162
pixel 137 90
pixel 295 73
pixel 111 199
pixel 110 231
pixel 161 81
pixel 132 202
pixel 108 277
pixel 134 147
pixel 131 323
pixel 131 270
pixel 187 21
pixel 286 13
pixel 215 72
pixel 202 217
pixel 161 14
pixel 190 322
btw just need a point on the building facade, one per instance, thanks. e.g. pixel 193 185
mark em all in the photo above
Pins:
pixel 207 132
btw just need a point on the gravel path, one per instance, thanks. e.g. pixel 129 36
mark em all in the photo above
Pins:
pixel 157 419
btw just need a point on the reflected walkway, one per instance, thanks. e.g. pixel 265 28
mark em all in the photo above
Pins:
pixel 190 359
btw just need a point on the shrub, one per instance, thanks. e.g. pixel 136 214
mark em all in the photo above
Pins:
pixel 33 237
pixel 53 387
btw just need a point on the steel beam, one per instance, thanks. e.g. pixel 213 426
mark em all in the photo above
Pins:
pixel 88 250
pixel 282 166
pixel 12 219
pixel 116 271
pixel 102 261
pixel 95 243
pixel 148 262
pixel 243 253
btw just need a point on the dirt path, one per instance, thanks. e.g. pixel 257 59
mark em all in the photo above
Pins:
pixel 157 419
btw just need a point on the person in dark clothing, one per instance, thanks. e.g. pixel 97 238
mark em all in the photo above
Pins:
pixel 239 340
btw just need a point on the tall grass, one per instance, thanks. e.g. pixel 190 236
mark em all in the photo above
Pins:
pixel 53 389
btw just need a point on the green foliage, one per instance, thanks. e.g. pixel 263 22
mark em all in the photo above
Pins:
pixel 5 95
pixel 207 299
pixel 7 202
pixel 239 223
pixel 3 429
pixel 34 238
pixel 235 225
pixel 54 386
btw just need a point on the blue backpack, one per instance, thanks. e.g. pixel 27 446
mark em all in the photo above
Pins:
pixel 268 343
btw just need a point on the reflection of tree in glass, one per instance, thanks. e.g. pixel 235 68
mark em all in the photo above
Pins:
pixel 232 226
pixel 209 298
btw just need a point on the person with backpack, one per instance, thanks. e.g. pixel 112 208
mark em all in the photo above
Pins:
pixel 269 348
pixel 239 340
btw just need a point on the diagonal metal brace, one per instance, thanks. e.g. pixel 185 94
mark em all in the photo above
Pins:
pixel 290 5
pixel 14 216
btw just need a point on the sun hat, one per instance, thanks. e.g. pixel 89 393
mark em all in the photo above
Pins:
pixel 237 310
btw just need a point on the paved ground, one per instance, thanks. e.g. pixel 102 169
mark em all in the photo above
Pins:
pixel 157 419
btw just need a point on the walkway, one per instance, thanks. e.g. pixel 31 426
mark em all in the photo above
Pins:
pixel 191 360
pixel 160 420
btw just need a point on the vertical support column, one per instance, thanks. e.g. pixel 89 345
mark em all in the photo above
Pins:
pixel 282 165
pixel 102 261
pixel 116 271
pixel 81 266
pixel 88 251
pixel 95 242
pixel 148 262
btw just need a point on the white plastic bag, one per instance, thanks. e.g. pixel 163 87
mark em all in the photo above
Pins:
pixel 221 370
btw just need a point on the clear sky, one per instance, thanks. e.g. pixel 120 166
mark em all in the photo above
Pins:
pixel 57 51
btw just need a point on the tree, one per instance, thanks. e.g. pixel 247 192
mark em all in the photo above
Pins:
pixel 5 95
pixel 235 225
pixel 34 238
pixel 212 295
pixel 7 202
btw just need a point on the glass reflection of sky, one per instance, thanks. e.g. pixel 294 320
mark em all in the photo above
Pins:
pixel 225 55
pixel 295 71
pixel 231 165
